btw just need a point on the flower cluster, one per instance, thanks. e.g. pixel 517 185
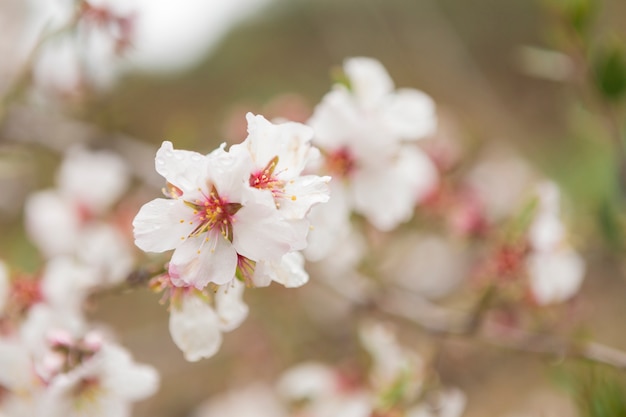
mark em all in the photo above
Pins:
pixel 367 131
pixel 317 390
pixel 232 215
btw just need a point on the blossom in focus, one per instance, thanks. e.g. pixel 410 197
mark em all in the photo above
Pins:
pixel 366 133
pixel 555 269
pixel 230 210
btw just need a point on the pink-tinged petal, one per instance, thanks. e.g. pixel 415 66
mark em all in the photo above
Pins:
pixel 230 308
pixel 199 261
pixel 302 193
pixel 369 80
pixel 260 233
pixel 195 329
pixel 162 225
pixel 410 114
pixel 183 169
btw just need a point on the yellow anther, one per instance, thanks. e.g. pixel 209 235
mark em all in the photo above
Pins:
pixel 293 198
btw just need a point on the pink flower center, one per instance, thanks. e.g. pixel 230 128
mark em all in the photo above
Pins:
pixel 214 212
pixel 340 162
pixel 266 180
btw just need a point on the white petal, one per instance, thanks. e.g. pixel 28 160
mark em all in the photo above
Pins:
pixel 17 373
pixel 184 169
pixel 307 380
pixel 230 308
pixel 198 261
pixel 289 271
pixel 103 247
pixel 289 141
pixel 93 179
pixel 369 80
pixel 335 120
pixel 163 224
pixel 302 193
pixel 51 222
pixel 65 283
pixel 555 276
pixel 126 379
pixel 330 223
pixel 195 329
pixel 387 197
pixel 260 233
pixel 410 114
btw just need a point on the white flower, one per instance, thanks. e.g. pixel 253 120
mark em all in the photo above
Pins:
pixel 288 271
pixel 555 270
pixel 214 217
pixel 250 401
pixel 280 153
pixel 555 276
pixel 391 363
pixel 195 328
pixel 230 308
pixel 104 385
pixel 363 134
pixel 449 403
pixel 93 180
pixel 52 223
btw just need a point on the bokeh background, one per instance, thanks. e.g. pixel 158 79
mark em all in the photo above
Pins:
pixel 278 58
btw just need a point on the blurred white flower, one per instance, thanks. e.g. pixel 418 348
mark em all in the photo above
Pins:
pixel 256 400
pixel 196 326
pixel 448 403
pixel 391 362
pixel 501 179
pixel 105 384
pixel 555 270
pixel 363 133
pixel 428 264
pixel 319 389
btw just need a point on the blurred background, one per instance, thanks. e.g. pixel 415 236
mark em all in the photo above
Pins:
pixel 196 67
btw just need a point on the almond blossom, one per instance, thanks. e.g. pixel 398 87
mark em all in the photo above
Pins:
pixel 555 269
pixel 69 220
pixel 229 210
pixel 366 132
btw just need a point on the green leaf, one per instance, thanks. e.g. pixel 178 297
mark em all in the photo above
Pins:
pixel 609 71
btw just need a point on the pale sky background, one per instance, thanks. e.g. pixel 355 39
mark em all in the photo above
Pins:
pixel 169 36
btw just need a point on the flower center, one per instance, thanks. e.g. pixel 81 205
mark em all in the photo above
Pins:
pixel 214 212
pixel 340 162
pixel 266 180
